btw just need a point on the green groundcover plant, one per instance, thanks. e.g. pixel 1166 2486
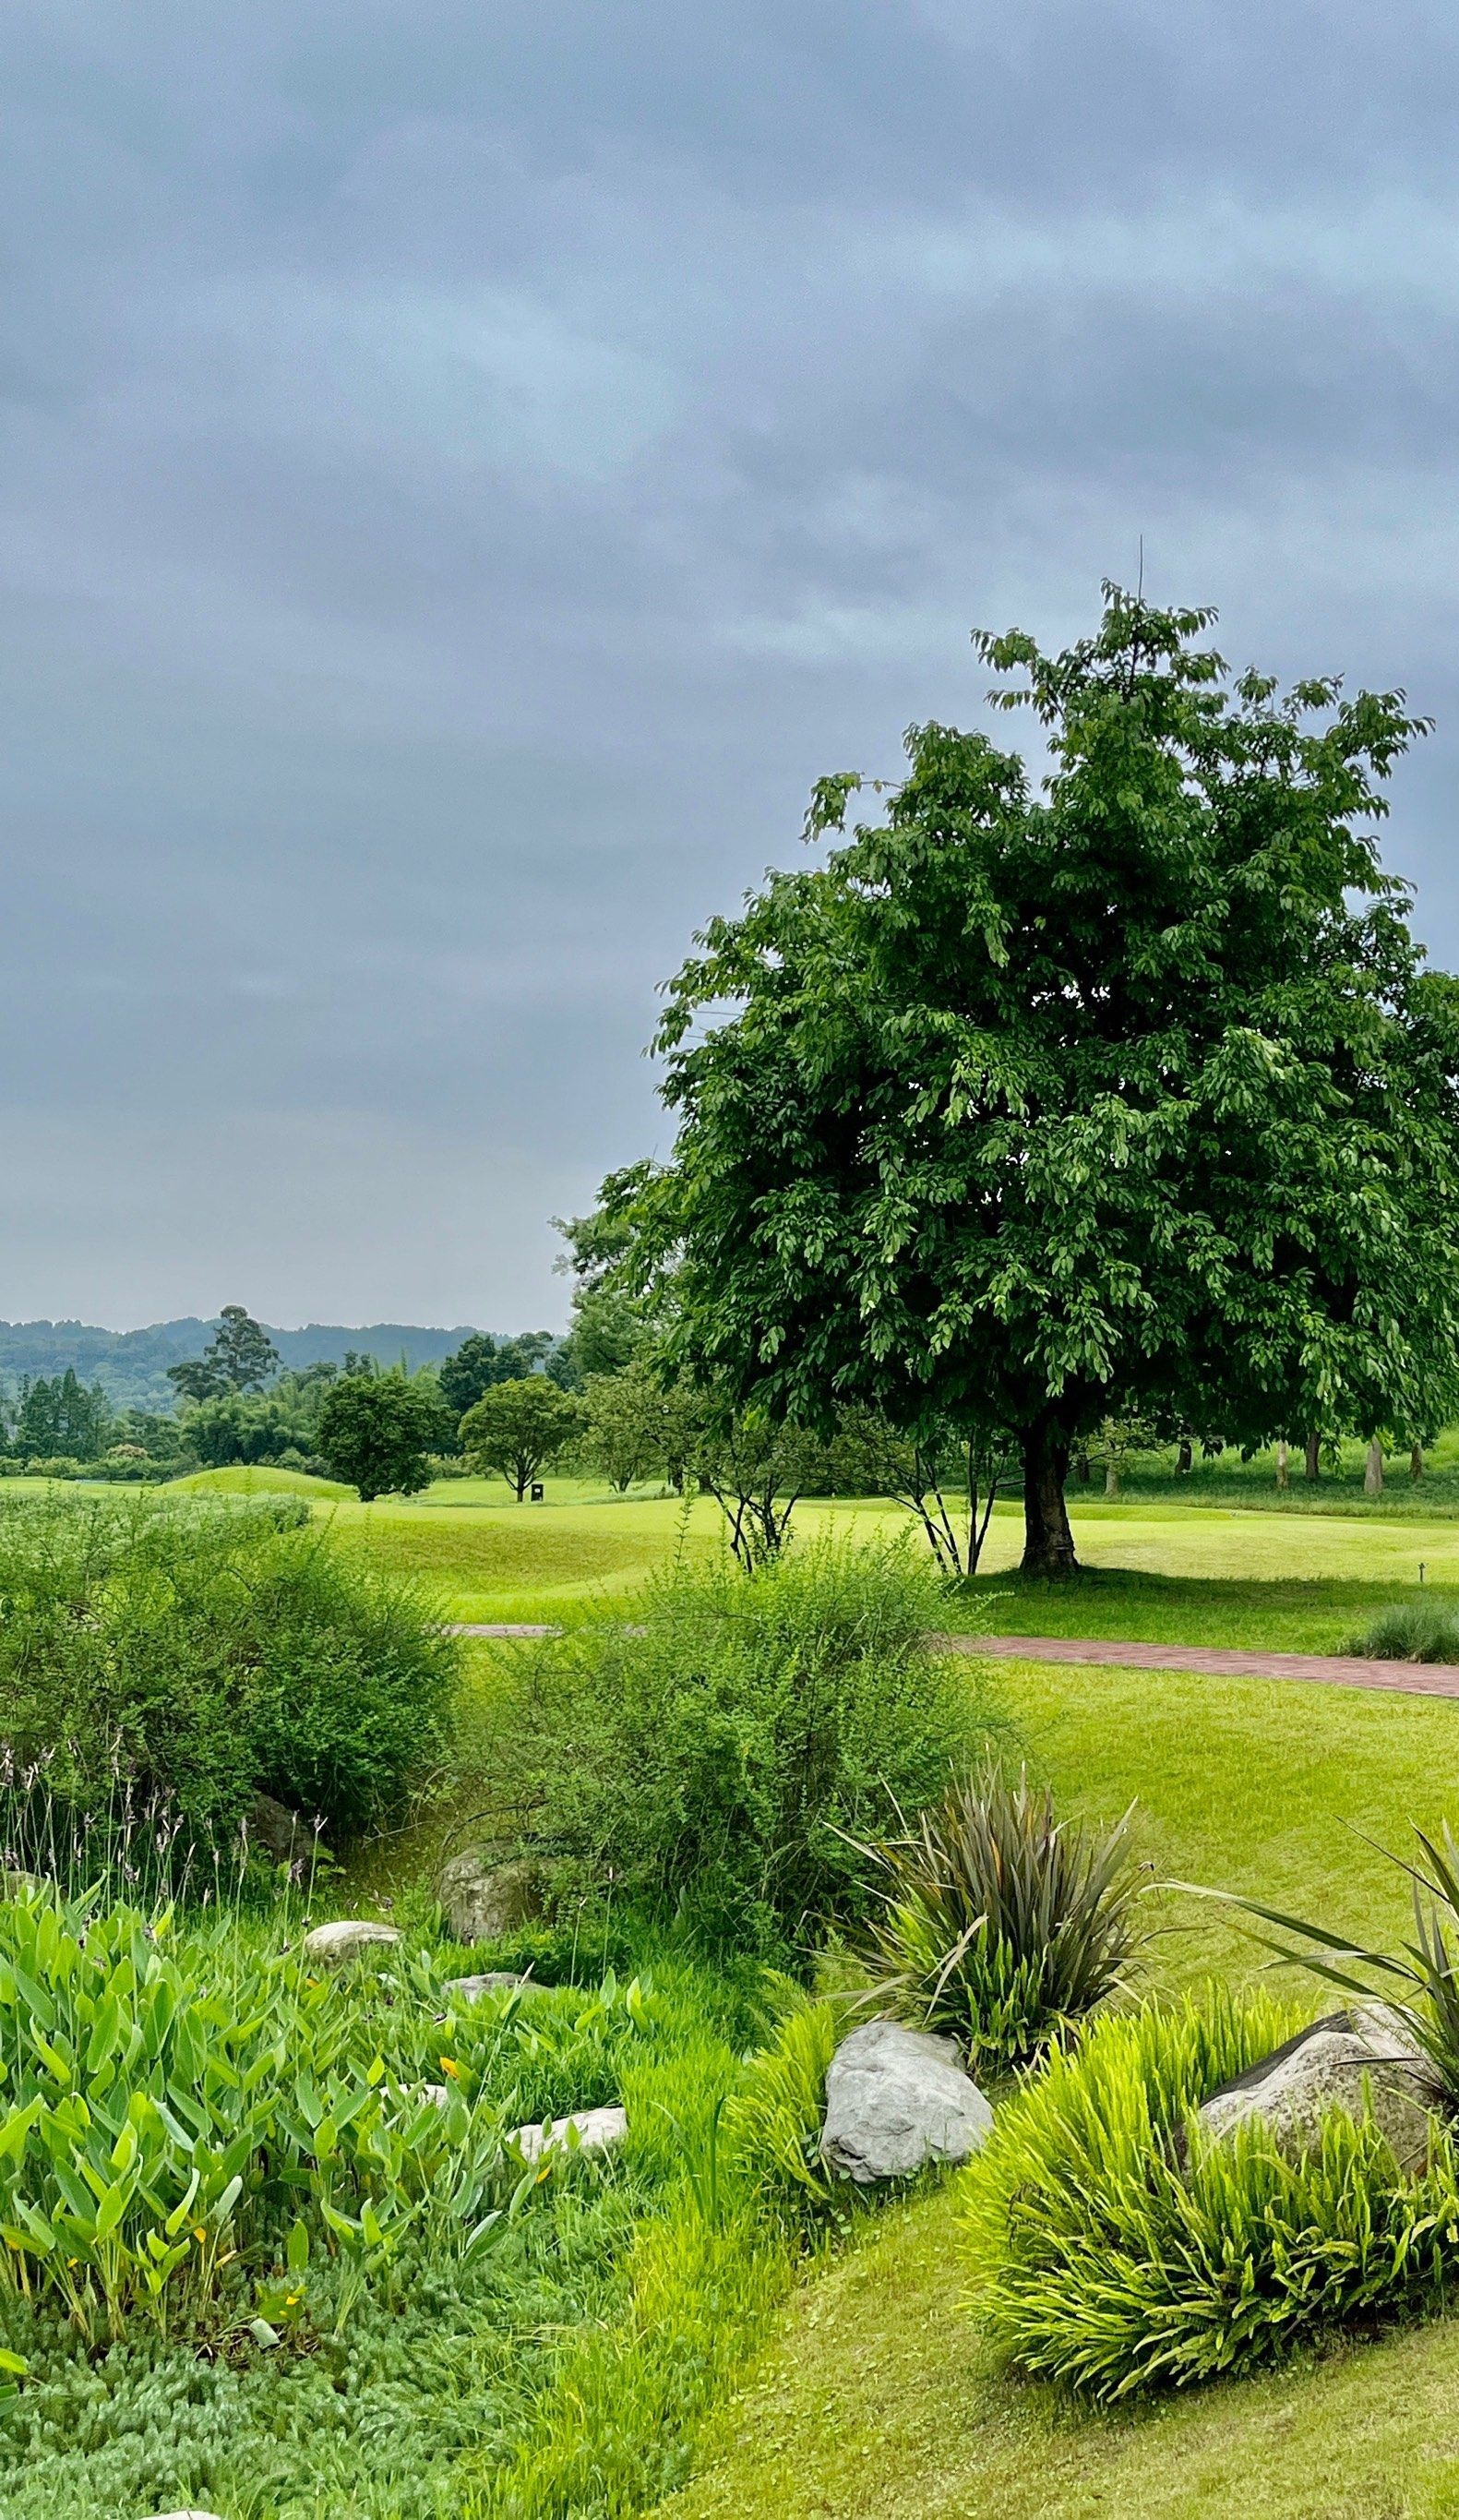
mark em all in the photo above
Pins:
pixel 175 1657
pixel 1115 2249
pixel 717 1747
pixel 247 2263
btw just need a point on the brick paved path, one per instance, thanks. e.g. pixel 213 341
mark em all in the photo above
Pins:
pixel 1344 1670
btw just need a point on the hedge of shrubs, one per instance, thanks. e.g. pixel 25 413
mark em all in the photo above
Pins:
pixel 179 1657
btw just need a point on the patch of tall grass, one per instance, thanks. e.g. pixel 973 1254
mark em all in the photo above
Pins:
pixel 1116 2249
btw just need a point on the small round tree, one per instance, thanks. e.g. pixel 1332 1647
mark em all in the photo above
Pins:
pixel 518 1428
pixel 377 1430
pixel 1129 1096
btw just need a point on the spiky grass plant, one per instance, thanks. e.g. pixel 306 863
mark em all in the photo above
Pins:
pixel 1001 1923
pixel 1410 1631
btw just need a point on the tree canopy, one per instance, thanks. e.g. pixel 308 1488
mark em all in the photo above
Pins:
pixel 482 1360
pixel 518 1428
pixel 1127 1094
pixel 377 1431
pixel 239 1356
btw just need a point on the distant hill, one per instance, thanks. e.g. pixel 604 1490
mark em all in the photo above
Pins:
pixel 131 1366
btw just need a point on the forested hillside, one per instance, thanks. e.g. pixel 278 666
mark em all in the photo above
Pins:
pixel 131 1366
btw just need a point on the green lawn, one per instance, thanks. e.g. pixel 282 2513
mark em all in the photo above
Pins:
pixel 877 2399
pixel 1252 1614
pixel 492 1558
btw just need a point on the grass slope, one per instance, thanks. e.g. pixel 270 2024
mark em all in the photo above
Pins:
pixel 878 2398
pixel 877 2404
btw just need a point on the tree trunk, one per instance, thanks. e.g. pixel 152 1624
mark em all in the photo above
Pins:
pixel 1314 1457
pixel 1281 1474
pixel 1416 1461
pixel 1182 1458
pixel 1081 1466
pixel 1112 1479
pixel 1372 1473
pixel 1048 1541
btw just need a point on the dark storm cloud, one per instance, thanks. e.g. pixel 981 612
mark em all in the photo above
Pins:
pixel 465 470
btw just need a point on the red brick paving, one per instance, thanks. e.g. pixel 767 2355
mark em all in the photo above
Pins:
pixel 1340 1671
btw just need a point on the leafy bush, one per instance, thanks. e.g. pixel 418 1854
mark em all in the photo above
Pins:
pixel 1117 2249
pixel 705 1749
pixel 1003 1924
pixel 185 1654
pixel 1410 1631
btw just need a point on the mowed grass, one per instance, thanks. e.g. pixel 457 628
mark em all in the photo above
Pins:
pixel 878 2397
pixel 1210 1576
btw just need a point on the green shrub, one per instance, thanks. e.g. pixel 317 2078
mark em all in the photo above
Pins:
pixel 704 1750
pixel 1116 2249
pixel 1002 1924
pixel 1410 1631
pixel 176 1657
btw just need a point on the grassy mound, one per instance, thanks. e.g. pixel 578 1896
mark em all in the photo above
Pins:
pixel 259 1479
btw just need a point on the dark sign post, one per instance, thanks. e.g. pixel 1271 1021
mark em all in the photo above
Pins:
pixel 538 1492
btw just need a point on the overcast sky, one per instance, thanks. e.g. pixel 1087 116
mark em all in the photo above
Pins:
pixel 467 467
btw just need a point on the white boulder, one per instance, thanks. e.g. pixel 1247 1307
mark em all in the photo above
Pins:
pixel 586 2131
pixel 896 2099
pixel 1365 2053
pixel 348 1938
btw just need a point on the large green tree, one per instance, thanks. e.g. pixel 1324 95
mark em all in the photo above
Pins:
pixel 481 1362
pixel 1124 1092
pixel 239 1356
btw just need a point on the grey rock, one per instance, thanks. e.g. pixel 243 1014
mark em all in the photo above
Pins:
pixel 896 2099
pixel 586 2131
pixel 470 1990
pixel 280 1832
pixel 348 1938
pixel 1364 2052
pixel 484 1897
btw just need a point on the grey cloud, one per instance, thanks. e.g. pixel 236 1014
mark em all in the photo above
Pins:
pixel 466 470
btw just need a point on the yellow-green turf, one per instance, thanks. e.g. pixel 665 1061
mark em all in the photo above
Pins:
pixel 1204 1575
pixel 878 2398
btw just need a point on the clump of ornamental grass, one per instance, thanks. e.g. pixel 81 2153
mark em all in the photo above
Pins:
pixel 999 1923
pixel 1410 1631
pixel 1115 2248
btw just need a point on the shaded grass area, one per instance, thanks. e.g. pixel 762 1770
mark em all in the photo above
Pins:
pixel 879 2397
pixel 1291 1614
